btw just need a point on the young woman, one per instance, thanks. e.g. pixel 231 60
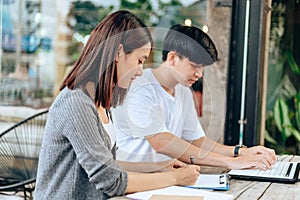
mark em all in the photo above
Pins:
pixel 77 156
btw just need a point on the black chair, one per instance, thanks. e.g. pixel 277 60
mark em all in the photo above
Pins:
pixel 19 152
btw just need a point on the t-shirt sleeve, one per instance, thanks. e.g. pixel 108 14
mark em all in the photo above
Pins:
pixel 141 115
pixel 192 129
pixel 81 127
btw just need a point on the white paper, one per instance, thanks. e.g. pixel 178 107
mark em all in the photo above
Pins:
pixel 212 181
pixel 180 191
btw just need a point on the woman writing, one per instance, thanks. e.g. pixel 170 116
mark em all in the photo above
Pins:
pixel 77 155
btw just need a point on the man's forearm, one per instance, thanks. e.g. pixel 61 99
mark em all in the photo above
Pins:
pixel 175 147
pixel 203 157
pixel 213 146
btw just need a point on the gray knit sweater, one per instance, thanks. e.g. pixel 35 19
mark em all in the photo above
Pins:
pixel 75 160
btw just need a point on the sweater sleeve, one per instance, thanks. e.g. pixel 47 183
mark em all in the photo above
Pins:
pixel 78 118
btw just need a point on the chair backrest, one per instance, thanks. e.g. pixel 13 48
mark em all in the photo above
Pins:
pixel 19 150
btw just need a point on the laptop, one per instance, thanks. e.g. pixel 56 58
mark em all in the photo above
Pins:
pixel 281 172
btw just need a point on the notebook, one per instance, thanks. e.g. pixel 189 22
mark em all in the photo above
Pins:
pixel 180 192
pixel 281 172
pixel 212 182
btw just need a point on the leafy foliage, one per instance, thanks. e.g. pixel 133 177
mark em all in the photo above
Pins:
pixel 145 11
pixel 85 15
pixel 82 18
pixel 286 118
pixel 283 115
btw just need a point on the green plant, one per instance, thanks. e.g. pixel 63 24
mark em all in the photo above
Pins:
pixel 286 117
pixel 146 12
pixel 282 113
pixel 283 122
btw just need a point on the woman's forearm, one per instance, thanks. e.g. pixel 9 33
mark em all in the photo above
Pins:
pixel 149 181
pixel 145 167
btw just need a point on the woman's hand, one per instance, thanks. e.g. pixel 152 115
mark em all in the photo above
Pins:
pixel 187 175
pixel 148 181
pixel 172 164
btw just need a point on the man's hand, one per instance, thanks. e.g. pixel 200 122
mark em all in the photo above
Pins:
pixel 269 154
pixel 253 157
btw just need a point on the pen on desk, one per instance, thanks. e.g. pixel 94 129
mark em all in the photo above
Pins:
pixel 192 160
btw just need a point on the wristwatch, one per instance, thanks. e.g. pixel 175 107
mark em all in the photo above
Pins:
pixel 237 148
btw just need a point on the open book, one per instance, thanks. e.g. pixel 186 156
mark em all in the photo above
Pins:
pixel 180 193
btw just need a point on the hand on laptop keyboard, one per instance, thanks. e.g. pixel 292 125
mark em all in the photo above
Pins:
pixel 258 161
pixel 269 154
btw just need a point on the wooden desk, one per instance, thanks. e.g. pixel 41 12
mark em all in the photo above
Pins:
pixel 265 190
pixel 248 190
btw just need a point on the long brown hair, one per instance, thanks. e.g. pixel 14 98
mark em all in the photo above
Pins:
pixel 96 63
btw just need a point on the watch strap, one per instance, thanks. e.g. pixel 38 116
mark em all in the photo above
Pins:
pixel 237 148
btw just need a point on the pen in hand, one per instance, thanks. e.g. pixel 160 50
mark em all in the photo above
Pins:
pixel 192 160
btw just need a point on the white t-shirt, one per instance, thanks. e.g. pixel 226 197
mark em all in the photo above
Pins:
pixel 110 129
pixel 148 109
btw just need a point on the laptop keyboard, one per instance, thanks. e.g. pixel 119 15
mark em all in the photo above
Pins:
pixel 279 169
